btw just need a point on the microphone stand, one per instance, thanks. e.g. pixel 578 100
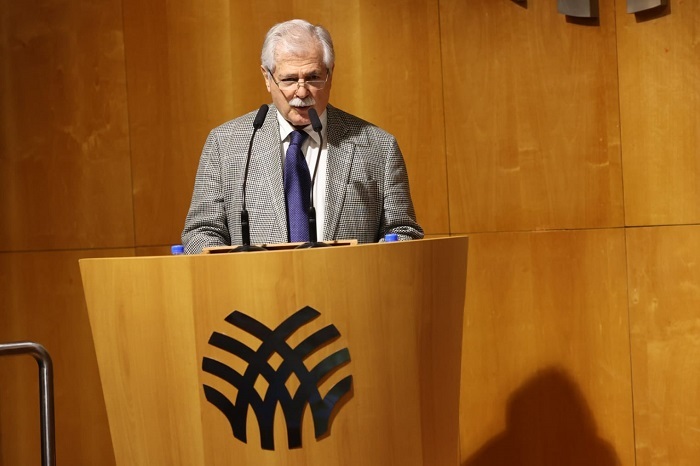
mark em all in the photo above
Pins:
pixel 313 242
pixel 245 222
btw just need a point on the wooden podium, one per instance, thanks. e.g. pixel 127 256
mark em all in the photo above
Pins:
pixel 395 309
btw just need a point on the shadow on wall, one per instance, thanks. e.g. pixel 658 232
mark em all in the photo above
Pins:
pixel 548 424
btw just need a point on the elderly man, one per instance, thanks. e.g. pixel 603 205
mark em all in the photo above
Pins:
pixel 351 171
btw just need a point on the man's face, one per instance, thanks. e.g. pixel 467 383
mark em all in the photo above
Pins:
pixel 294 103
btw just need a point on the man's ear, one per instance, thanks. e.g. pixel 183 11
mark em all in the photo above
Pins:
pixel 266 77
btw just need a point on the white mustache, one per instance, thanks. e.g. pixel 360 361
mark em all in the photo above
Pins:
pixel 297 102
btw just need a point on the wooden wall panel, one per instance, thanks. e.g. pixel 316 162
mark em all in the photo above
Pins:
pixel 190 69
pixel 531 108
pixel 19 411
pixel 664 284
pixel 659 67
pixel 64 146
pixel 154 251
pixel 389 71
pixel 529 130
pixel 545 355
pixel 41 299
pixel 179 78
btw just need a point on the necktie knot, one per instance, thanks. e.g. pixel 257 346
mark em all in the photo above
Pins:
pixel 298 138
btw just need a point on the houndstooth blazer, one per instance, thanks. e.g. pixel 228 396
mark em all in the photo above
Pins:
pixel 367 192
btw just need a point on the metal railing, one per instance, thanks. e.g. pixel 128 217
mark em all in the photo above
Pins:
pixel 43 359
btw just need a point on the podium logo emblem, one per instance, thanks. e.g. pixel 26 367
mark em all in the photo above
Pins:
pixel 264 405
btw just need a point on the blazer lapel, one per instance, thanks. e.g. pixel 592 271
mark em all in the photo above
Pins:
pixel 341 150
pixel 269 152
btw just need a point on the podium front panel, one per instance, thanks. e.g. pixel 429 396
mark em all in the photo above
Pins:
pixel 338 356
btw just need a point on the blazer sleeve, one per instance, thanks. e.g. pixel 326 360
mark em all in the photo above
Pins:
pixel 206 223
pixel 398 214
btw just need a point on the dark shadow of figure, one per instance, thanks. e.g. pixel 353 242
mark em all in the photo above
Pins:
pixel 548 424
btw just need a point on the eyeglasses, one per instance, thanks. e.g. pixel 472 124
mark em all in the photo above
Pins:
pixel 291 84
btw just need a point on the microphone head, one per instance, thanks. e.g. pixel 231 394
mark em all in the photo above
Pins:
pixel 260 116
pixel 315 120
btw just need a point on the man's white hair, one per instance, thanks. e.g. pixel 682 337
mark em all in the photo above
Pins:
pixel 294 37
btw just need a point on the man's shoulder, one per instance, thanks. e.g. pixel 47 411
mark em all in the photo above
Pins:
pixel 239 123
pixel 354 125
pixel 337 115
pixel 239 129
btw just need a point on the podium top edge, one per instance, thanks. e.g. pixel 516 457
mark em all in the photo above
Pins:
pixel 456 238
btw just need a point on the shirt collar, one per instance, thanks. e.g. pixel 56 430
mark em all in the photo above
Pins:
pixel 286 127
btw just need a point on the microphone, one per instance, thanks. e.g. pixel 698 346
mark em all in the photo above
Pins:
pixel 245 224
pixel 313 243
